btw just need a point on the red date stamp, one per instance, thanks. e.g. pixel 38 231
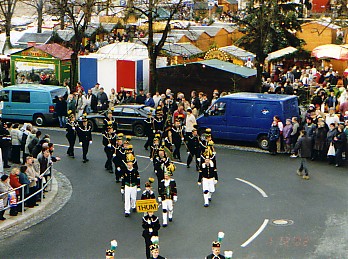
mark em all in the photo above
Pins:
pixel 289 241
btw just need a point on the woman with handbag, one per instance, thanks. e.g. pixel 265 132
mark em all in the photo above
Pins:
pixel 340 144
pixel 329 138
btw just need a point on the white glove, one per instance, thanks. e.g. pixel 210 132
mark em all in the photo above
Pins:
pixel 90 142
pixel 175 198
pixel 159 199
pixel 199 183
pixel 122 191
pixel 80 143
pixel 109 145
pixel 118 169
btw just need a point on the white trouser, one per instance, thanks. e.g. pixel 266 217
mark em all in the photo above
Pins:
pixel 167 206
pixel 208 187
pixel 130 196
pixel 79 113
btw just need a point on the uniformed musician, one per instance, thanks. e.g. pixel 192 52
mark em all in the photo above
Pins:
pixel 85 137
pixel 71 133
pixel 130 186
pixel 193 146
pixel 168 194
pixel 207 178
pixel 109 142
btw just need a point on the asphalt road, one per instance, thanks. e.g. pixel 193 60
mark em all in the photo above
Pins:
pixel 316 210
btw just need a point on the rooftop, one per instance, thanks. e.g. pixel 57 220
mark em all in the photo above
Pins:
pixel 258 96
pixel 228 67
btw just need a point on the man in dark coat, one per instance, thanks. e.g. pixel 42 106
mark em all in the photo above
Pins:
pixel 102 100
pixel 5 144
pixel 129 98
pixel 304 148
pixel 141 97
pixel 61 111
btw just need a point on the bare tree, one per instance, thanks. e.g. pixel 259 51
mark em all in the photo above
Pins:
pixel 79 13
pixel 39 6
pixel 7 9
pixel 149 9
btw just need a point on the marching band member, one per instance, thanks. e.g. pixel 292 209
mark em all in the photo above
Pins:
pixel 151 225
pixel 207 178
pixel 158 121
pixel 130 185
pixel 149 130
pixel 193 146
pixel 148 192
pixel 71 133
pixel 160 163
pixel 85 137
pixel 155 146
pixel 167 195
pixel 109 142
pixel 177 137
pixel 109 120
pixel 155 252
pixel 118 157
pixel 216 246
pixel 167 139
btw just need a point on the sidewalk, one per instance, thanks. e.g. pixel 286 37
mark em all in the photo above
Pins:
pixel 53 202
pixel 29 213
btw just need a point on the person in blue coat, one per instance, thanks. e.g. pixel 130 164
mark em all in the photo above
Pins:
pixel 149 100
pixel 273 136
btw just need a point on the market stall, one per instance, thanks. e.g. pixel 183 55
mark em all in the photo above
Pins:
pixel 46 64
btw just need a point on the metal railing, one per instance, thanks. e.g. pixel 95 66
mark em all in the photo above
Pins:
pixel 48 183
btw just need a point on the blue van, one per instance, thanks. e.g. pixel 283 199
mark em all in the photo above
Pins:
pixel 247 116
pixel 29 102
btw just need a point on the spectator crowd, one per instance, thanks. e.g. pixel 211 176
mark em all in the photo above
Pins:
pixel 325 122
pixel 31 154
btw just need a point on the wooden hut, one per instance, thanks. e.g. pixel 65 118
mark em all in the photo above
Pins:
pixel 205 76
pixel 318 33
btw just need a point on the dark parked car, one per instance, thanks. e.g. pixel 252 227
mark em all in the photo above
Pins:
pixel 128 118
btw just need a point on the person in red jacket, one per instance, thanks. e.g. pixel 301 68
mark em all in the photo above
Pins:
pixel 14 182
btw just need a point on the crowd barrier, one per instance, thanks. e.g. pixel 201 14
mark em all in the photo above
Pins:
pixel 16 202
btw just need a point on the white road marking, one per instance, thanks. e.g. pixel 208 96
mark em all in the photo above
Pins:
pixel 59 145
pixel 258 232
pixel 180 163
pixel 254 186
